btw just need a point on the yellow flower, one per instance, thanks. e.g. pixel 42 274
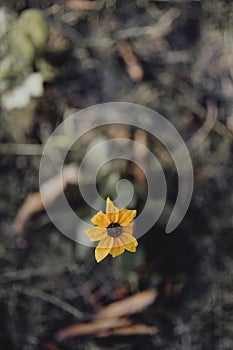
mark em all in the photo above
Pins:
pixel 113 230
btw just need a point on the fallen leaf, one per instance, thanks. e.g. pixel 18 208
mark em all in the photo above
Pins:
pixel 34 204
pixel 51 346
pixel 128 306
pixel 81 5
pixel 134 329
pixel 113 320
pixel 133 67
pixel 92 328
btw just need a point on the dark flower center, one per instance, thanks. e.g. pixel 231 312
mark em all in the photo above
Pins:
pixel 114 230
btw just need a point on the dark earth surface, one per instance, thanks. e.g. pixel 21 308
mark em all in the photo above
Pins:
pixel 183 71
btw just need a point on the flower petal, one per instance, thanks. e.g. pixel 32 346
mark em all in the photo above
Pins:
pixel 117 248
pixel 126 216
pixel 130 243
pixel 131 247
pixel 128 228
pixel 112 212
pixel 103 249
pixel 96 233
pixel 100 219
pixel 110 207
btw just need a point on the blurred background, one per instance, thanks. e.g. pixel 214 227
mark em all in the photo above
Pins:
pixel 59 57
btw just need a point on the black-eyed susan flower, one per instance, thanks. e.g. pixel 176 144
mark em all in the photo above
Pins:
pixel 113 230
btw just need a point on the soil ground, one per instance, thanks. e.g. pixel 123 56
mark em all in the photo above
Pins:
pixel 176 58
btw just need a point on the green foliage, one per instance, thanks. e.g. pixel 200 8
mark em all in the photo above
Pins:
pixel 28 35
